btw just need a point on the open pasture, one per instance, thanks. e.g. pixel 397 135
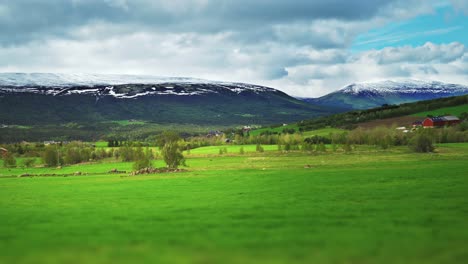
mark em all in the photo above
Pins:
pixel 452 110
pixel 370 206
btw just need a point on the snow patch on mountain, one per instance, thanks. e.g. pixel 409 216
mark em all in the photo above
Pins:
pixel 81 79
pixel 68 84
pixel 403 87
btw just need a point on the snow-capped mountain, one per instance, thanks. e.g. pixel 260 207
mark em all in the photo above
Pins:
pixel 404 87
pixel 118 86
pixel 83 79
pixel 373 94
pixel 93 98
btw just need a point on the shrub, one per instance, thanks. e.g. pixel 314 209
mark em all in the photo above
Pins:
pixel 241 151
pixel 223 150
pixel 421 142
pixel 347 147
pixel 321 147
pixel 259 148
pixel 142 163
pixel 29 162
pixel 142 159
pixel 126 153
pixel 172 155
pixel 9 160
pixel 51 156
pixel 317 139
pixel 307 146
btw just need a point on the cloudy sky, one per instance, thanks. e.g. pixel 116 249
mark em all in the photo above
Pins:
pixel 303 47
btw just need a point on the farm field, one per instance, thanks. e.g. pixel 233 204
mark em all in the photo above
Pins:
pixel 324 132
pixel 277 129
pixel 453 110
pixel 370 206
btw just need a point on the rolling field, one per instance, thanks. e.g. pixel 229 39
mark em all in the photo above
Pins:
pixel 369 206
pixel 454 110
pixel 324 132
pixel 277 129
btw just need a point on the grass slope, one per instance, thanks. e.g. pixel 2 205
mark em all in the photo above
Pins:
pixel 275 129
pixel 454 110
pixel 367 207
pixel 324 132
pixel 352 119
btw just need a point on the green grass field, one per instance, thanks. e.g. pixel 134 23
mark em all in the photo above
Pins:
pixel 101 144
pixel 129 122
pixel 278 129
pixel 324 132
pixel 454 110
pixel 370 206
pixel 231 150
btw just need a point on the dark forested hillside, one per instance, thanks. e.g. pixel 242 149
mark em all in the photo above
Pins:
pixel 220 107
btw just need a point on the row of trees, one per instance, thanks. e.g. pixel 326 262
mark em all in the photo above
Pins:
pixel 72 153
pixel 171 145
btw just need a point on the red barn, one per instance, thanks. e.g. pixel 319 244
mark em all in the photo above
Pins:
pixel 440 121
pixel 451 120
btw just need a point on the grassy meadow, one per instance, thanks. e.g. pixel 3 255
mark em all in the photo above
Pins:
pixel 324 132
pixel 369 206
pixel 452 110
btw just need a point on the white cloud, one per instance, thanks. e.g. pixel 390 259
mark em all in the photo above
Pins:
pixel 426 53
pixel 445 62
pixel 461 5
pixel 300 48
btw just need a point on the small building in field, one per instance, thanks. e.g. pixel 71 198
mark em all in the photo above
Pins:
pixel 441 121
pixel 214 133
pixel 416 124
pixel 3 151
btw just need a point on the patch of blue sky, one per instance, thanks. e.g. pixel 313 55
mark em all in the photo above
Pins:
pixel 445 25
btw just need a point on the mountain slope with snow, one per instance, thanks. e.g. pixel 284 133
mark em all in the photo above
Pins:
pixel 119 86
pixel 58 98
pixel 374 94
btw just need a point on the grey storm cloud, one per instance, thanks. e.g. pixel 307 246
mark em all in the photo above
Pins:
pixel 25 20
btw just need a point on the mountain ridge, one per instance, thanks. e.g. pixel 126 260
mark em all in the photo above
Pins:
pixel 373 94
pixel 39 98
pixel 119 86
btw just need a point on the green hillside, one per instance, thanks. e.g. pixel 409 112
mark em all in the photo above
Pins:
pixel 452 110
pixel 212 109
pixel 350 120
pixel 38 117
pixel 323 132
